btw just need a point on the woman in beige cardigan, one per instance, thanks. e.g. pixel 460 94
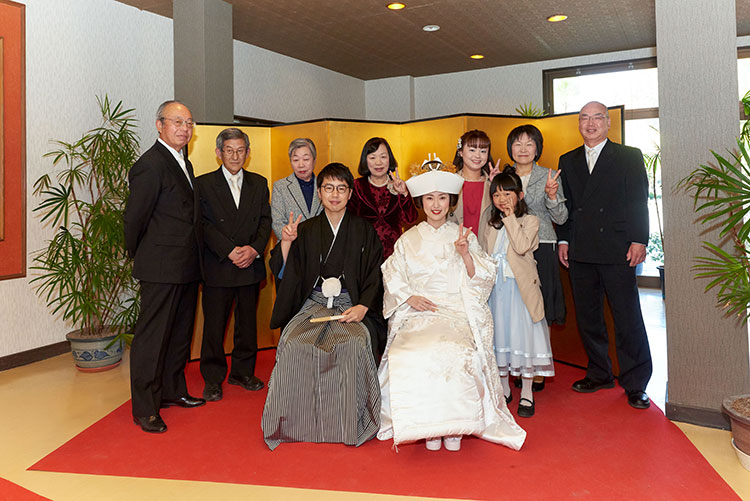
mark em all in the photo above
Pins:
pixel 510 236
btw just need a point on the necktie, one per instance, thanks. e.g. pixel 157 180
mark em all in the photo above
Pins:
pixel 591 159
pixel 234 184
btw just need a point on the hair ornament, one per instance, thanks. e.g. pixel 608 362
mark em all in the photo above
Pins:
pixel 458 146
pixel 431 163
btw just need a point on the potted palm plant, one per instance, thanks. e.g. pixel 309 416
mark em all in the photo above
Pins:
pixel 655 248
pixel 721 194
pixel 84 273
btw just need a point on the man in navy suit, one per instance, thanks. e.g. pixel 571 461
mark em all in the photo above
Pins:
pixel 237 225
pixel 602 242
pixel 163 235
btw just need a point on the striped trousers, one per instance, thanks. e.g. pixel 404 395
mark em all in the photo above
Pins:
pixel 324 386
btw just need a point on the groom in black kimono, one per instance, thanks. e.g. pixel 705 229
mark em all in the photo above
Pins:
pixel 357 257
pixel 324 386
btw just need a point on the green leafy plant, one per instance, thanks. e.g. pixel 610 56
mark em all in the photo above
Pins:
pixel 529 110
pixel 84 272
pixel 655 247
pixel 745 134
pixel 721 194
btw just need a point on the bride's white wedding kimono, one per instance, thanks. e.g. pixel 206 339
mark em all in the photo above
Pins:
pixel 438 376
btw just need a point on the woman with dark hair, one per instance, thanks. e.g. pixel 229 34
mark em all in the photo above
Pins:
pixel 380 195
pixel 522 345
pixel 473 162
pixel 544 197
pixel 438 376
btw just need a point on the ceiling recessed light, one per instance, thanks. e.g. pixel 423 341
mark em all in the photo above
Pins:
pixel 431 27
pixel 396 6
pixel 477 56
pixel 557 18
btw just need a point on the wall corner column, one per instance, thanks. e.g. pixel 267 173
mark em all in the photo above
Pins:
pixel 698 112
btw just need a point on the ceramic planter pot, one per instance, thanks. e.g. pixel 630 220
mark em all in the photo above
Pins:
pixel 94 353
pixel 738 410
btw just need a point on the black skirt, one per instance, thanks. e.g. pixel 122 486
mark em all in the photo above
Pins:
pixel 548 267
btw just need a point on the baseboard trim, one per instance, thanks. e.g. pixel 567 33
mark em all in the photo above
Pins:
pixel 649 282
pixel 35 355
pixel 700 416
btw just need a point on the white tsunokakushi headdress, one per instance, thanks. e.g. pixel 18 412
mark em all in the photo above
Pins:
pixel 434 175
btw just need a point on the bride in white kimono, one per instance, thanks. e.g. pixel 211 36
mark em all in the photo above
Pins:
pixel 438 375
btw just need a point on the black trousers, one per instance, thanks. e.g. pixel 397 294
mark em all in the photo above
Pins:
pixel 217 305
pixel 589 283
pixel 161 345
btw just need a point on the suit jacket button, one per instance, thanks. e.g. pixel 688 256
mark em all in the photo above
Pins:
pixel 601 210
pixel 601 230
pixel 580 209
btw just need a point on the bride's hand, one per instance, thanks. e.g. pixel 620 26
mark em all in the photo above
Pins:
pixel 421 303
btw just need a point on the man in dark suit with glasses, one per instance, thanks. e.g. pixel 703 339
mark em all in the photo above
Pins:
pixel 163 235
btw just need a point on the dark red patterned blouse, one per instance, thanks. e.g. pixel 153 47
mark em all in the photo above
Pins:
pixel 388 213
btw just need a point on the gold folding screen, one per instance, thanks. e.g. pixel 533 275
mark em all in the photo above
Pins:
pixel 342 141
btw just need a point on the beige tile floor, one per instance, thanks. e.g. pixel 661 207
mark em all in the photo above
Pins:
pixel 45 404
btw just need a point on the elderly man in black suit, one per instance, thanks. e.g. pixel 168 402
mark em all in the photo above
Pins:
pixel 163 235
pixel 237 225
pixel 602 242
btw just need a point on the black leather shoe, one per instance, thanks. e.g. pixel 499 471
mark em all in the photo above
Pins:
pixel 151 424
pixel 186 401
pixel 212 392
pixel 639 400
pixel 251 383
pixel 525 410
pixel 587 385
pixel 508 399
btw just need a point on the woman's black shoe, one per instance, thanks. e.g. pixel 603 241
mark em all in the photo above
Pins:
pixel 525 410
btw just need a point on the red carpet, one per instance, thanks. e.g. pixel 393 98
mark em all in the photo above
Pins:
pixel 591 446
pixel 14 492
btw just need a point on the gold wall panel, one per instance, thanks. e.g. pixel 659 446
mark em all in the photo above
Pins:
pixel 348 138
pixel 342 141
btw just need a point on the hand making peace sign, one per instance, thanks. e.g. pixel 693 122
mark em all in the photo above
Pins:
pixel 462 244
pixel 289 231
pixel 551 187
pixel 398 184
pixel 494 170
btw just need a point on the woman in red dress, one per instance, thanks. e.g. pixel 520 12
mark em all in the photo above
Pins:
pixel 380 195
pixel 473 161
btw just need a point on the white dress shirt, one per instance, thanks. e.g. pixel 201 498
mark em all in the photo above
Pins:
pixel 594 152
pixel 180 160
pixel 234 180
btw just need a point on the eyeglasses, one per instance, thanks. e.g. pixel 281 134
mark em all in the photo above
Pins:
pixel 341 188
pixel 179 122
pixel 230 152
pixel 599 117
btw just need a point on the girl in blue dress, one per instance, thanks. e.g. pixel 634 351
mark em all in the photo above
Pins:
pixel 522 344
